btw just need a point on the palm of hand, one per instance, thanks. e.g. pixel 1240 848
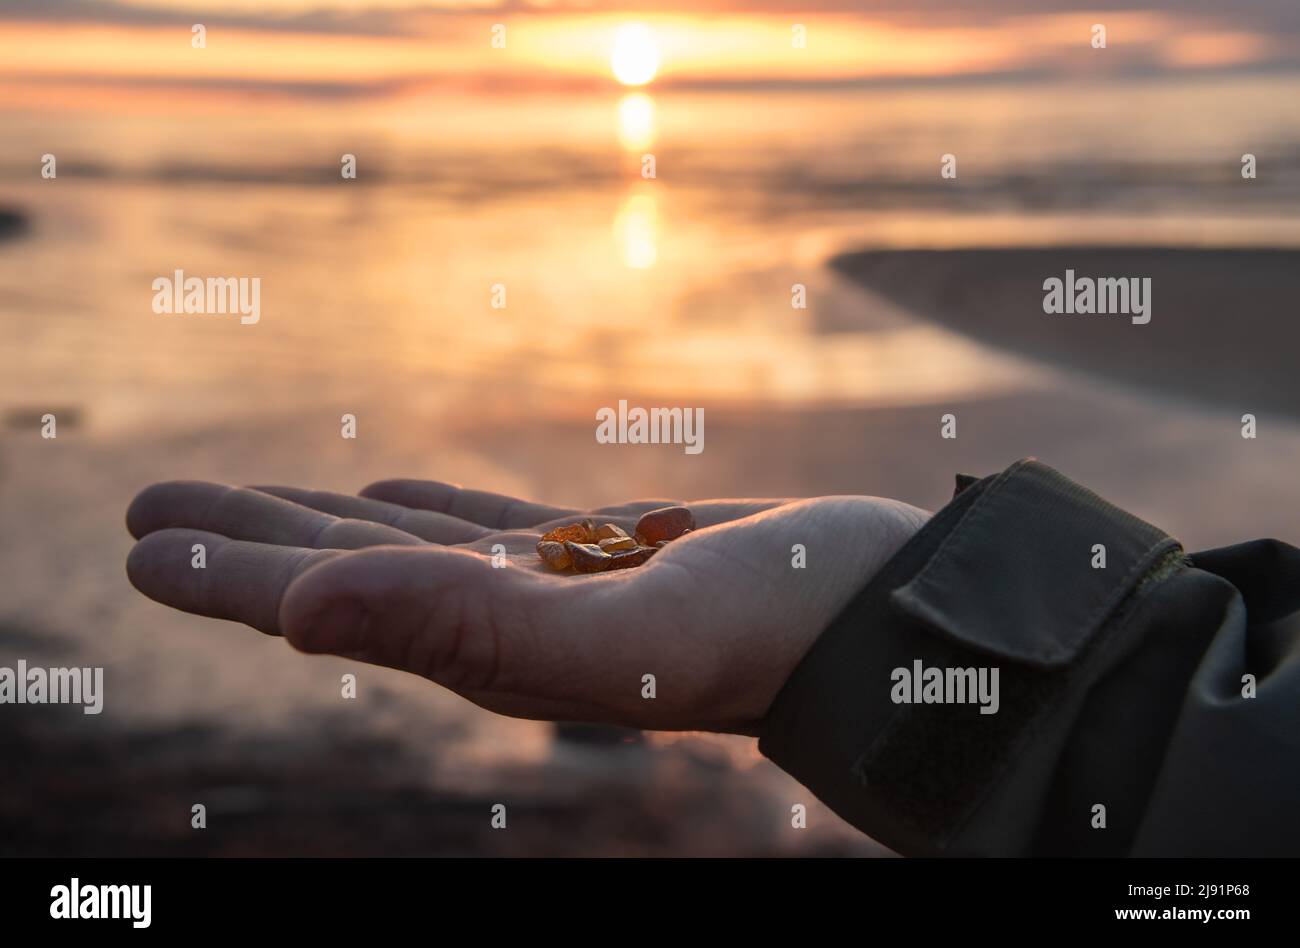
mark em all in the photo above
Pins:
pixel 403 576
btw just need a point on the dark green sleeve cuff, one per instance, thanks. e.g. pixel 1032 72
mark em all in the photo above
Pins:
pixel 944 691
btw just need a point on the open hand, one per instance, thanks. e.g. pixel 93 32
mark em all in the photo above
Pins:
pixel 402 575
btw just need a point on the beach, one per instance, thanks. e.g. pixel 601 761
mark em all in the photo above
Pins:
pixel 376 302
pixel 205 711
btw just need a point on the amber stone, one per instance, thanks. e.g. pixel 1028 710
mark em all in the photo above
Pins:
pixel 586 548
pixel 577 532
pixel 587 557
pixel 629 558
pixel 554 554
pixel 666 523
pixel 615 544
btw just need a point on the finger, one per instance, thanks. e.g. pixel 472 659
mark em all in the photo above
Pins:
pixel 244 514
pixel 425 524
pixel 625 522
pixel 496 511
pixel 707 513
pixel 512 640
pixel 500 512
pixel 634 508
pixel 238 580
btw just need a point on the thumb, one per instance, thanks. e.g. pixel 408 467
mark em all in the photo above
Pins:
pixel 510 639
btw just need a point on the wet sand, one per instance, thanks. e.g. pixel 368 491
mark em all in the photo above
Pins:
pixel 338 788
pixel 1221 330
pixel 204 711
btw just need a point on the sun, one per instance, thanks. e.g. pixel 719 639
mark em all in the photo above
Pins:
pixel 635 58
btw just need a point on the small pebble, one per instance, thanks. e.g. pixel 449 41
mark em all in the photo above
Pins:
pixel 554 554
pixel 585 548
pixel 666 523
pixel 615 544
pixel 631 558
pixel 587 557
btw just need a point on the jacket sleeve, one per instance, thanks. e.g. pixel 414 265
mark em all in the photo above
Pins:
pixel 1038 672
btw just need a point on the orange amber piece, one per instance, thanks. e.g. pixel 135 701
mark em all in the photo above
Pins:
pixel 577 532
pixel 591 549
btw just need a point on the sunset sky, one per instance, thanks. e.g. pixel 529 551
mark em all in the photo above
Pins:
pixel 52 49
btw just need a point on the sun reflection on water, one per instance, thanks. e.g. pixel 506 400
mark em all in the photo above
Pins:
pixel 636 121
pixel 637 229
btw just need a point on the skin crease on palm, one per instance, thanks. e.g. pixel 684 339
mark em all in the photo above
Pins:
pixel 402 575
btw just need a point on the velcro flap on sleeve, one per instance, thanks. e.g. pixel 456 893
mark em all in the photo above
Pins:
pixel 1021 576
